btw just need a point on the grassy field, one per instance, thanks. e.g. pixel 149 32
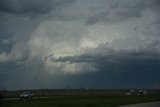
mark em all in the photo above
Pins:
pixel 77 98
pixel 80 101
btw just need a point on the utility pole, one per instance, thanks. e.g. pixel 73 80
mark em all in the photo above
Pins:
pixel 4 91
pixel 35 83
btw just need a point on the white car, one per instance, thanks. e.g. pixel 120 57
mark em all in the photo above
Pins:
pixel 26 95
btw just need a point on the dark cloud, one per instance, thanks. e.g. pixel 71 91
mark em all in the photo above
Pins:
pixel 79 44
pixel 96 18
pixel 122 11
pixel 118 69
pixel 5 47
pixel 6 71
pixel 25 6
pixel 113 56
pixel 31 7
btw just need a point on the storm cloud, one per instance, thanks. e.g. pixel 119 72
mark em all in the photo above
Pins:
pixel 59 43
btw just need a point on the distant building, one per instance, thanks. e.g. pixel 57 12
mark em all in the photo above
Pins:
pixel 137 92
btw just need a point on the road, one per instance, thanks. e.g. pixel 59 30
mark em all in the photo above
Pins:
pixel 150 104
pixel 19 98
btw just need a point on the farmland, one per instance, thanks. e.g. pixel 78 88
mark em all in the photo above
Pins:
pixel 78 98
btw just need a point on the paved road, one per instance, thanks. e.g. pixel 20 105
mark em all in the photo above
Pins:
pixel 19 98
pixel 150 104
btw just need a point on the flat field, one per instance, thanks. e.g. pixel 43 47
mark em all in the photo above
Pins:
pixel 77 98
pixel 80 101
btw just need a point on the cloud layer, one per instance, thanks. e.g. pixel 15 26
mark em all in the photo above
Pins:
pixel 58 41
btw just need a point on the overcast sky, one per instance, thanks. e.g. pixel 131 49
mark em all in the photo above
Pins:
pixel 79 43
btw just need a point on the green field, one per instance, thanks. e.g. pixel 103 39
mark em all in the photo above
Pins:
pixel 77 98
pixel 80 101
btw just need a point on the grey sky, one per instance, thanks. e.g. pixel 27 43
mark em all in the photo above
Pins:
pixel 80 43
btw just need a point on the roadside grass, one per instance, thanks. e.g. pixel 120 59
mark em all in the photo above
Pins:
pixel 80 101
